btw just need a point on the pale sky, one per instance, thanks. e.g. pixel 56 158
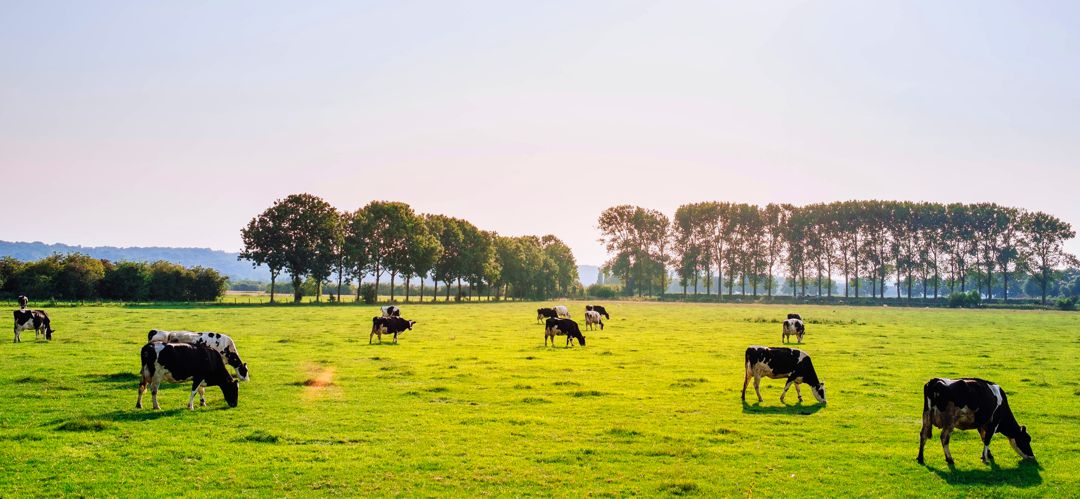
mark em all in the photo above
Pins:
pixel 173 123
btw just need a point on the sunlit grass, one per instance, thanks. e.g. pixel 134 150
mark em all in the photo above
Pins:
pixel 471 402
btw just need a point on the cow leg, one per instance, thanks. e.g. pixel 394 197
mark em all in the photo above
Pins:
pixel 986 435
pixel 757 387
pixel 784 393
pixel 153 394
pixel 746 381
pixel 202 395
pixel 142 389
pixel 17 334
pixel 395 337
pixel 799 337
pixel 797 392
pixel 370 337
pixel 924 435
pixel 946 432
pixel 195 382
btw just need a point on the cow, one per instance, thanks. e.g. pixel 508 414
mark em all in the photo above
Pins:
pixel 563 327
pixel 389 325
pixel 779 362
pixel 562 311
pixel 546 313
pixel 179 362
pixel 218 342
pixel 23 300
pixel 970 403
pixel 599 309
pixel 390 311
pixel 37 320
pixel 793 327
pixel 794 316
pixel 592 317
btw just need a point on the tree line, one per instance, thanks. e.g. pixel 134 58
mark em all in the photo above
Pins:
pixel 922 249
pixel 304 237
pixel 78 277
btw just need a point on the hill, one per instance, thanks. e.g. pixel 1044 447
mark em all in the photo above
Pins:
pixel 222 261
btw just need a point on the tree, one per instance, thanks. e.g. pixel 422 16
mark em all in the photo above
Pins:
pixel 265 240
pixel 1043 238
pixel 126 281
pixel 388 228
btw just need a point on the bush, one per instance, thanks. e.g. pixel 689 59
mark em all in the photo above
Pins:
pixel 127 281
pixel 368 294
pixel 969 299
pixel 603 292
pixel 1064 303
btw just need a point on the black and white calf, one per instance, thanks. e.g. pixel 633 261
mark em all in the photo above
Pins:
pixel 389 325
pixel 178 362
pixel 970 403
pixel 563 327
pixel 793 327
pixel 390 311
pixel 599 309
pixel 37 320
pixel 592 318
pixel 218 342
pixel 778 363
pixel 546 313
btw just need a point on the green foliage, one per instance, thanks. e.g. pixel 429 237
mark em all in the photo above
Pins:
pixel 1064 303
pixel 127 281
pixel 368 293
pixel 77 277
pixel 969 299
pixel 602 291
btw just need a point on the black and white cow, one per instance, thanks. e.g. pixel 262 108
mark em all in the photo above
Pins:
pixel 546 313
pixel 794 316
pixel 970 403
pixel 23 300
pixel 793 327
pixel 216 341
pixel 592 318
pixel 563 327
pixel 599 309
pixel 37 320
pixel 389 325
pixel 778 363
pixel 390 311
pixel 562 311
pixel 178 362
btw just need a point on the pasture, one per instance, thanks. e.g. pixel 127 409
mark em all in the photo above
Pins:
pixel 470 402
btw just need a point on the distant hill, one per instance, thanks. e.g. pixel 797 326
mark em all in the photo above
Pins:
pixel 222 261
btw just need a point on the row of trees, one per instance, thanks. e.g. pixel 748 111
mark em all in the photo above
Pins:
pixel 78 277
pixel 304 237
pixel 920 248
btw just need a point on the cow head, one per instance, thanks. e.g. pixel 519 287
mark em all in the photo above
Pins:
pixel 242 371
pixel 411 325
pixel 539 313
pixel 1021 443
pixel 819 392
pixel 231 390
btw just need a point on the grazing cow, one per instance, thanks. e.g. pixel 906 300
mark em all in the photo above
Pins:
pixel 970 403
pixel 23 300
pixel 546 313
pixel 390 311
pixel 389 325
pixel 598 308
pixel 782 362
pixel 37 320
pixel 794 316
pixel 562 311
pixel 562 327
pixel 593 317
pixel 178 362
pixel 215 341
pixel 793 326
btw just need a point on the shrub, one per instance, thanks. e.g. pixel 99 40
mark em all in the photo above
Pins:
pixel 127 281
pixel 969 299
pixel 368 294
pixel 1064 303
pixel 603 292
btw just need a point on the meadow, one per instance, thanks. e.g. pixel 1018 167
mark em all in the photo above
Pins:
pixel 471 402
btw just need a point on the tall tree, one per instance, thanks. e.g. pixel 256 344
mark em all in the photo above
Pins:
pixel 1043 239
pixel 265 240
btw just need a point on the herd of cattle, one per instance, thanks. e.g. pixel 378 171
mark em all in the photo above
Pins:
pixel 949 404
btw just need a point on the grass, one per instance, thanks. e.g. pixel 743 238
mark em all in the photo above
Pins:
pixel 470 402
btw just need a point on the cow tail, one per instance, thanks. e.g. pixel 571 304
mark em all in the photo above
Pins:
pixel 148 359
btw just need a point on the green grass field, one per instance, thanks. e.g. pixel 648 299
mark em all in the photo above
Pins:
pixel 470 402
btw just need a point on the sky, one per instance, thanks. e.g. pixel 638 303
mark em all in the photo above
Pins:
pixel 174 123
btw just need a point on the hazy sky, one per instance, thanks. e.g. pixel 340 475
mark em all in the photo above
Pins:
pixel 173 123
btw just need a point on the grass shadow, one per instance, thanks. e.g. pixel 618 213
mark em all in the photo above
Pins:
pixel 1025 474
pixel 794 410
pixel 120 377
pixel 136 415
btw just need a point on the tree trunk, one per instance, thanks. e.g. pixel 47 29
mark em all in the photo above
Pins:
pixel 435 294
pixel 407 288
pixel 458 289
pixel 378 274
pixel 298 294
pixel 393 277
pixel 339 277
pixel 273 282
pixel 447 282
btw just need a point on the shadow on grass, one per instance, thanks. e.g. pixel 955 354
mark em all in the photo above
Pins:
pixel 120 377
pixel 794 410
pixel 1025 474
pixel 136 415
